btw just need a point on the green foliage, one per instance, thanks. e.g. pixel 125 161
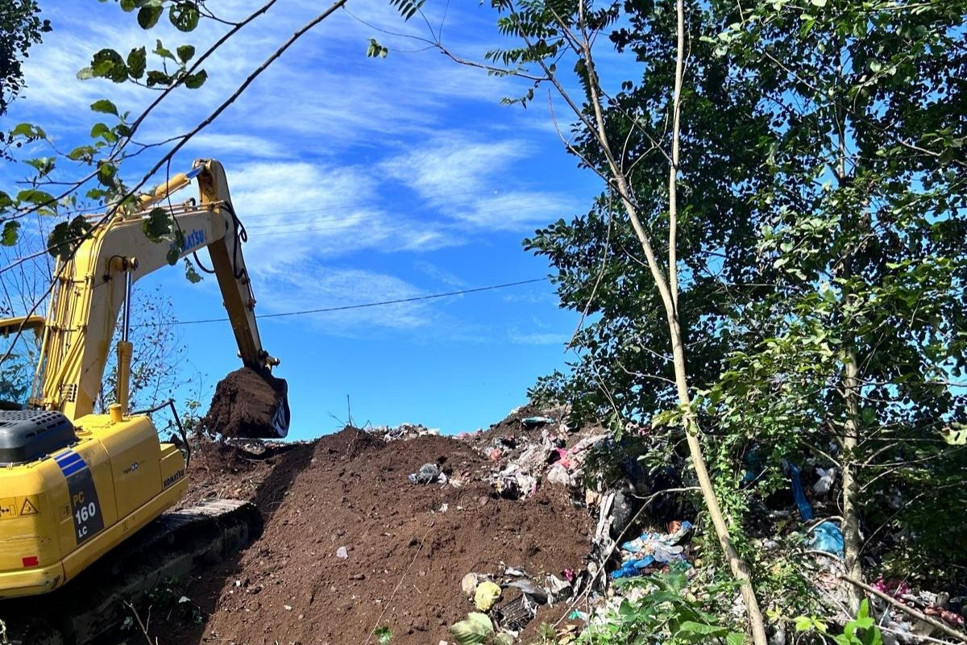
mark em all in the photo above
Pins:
pixel 21 27
pixel 110 64
pixel 66 236
pixel 666 612
pixel 10 233
pixel 384 635
pixel 157 224
pixel 407 8
pixel 861 630
pixel 184 15
pixel 375 50
pixel 821 199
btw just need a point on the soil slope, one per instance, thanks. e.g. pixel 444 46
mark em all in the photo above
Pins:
pixel 351 546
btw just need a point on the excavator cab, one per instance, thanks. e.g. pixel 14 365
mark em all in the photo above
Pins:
pixel 16 327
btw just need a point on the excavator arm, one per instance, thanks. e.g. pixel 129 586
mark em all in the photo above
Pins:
pixel 93 286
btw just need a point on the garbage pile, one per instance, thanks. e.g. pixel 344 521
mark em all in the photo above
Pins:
pixel 402 432
pixel 505 603
pixel 527 449
pixel 652 551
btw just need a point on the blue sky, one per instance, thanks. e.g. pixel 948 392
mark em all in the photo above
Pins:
pixel 359 181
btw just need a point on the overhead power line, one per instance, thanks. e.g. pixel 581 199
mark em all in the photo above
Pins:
pixel 381 303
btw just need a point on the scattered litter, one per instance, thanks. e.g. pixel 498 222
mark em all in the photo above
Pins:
pixel 402 432
pixel 342 553
pixel 525 460
pixel 478 628
pixel 895 588
pixel 469 584
pixel 798 492
pixel 515 615
pixel 827 476
pixel 653 550
pixel 557 589
pixel 533 592
pixel 536 422
pixel 486 595
pixel 828 538
pixel 428 474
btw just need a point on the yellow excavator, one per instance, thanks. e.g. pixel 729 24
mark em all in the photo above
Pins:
pixel 74 484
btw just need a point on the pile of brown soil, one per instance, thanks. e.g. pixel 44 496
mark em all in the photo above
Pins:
pixel 246 404
pixel 351 546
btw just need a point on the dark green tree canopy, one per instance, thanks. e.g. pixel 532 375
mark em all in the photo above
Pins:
pixel 20 27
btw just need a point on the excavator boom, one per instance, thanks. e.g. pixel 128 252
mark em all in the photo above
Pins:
pixel 94 284
pixel 75 484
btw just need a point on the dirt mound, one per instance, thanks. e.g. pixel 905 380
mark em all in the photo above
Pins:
pixel 247 404
pixel 351 546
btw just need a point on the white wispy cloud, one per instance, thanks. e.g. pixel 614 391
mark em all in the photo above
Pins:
pixel 297 210
pixel 287 291
pixel 473 181
pixel 540 338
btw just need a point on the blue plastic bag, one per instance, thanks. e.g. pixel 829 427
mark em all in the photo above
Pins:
pixel 828 538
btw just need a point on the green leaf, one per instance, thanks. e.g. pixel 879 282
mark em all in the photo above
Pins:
pixel 129 5
pixel 383 635
pixel 803 623
pixel 137 61
pixel 196 80
pixel 156 225
pixel 36 197
pixel 696 632
pixel 66 236
pixel 85 73
pixel 476 628
pixel 106 173
pixel 194 277
pixel 735 638
pixel 11 231
pixel 28 131
pixel 407 8
pixel 956 435
pixel 81 153
pixel 104 106
pixel 148 15
pixel 163 51
pixel 5 201
pixel 184 16
pixel 375 50
pixel 109 64
pixel 43 165
pixel 157 77
pixel 99 129
pixel 185 53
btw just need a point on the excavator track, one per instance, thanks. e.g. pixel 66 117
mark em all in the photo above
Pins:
pixel 96 604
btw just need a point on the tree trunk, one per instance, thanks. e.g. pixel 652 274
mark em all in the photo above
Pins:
pixel 851 524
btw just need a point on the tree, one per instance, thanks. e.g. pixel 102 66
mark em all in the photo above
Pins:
pixel 831 307
pixel 635 146
pixel 20 28
pixel 862 336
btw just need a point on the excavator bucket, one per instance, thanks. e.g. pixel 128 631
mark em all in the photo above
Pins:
pixel 249 404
